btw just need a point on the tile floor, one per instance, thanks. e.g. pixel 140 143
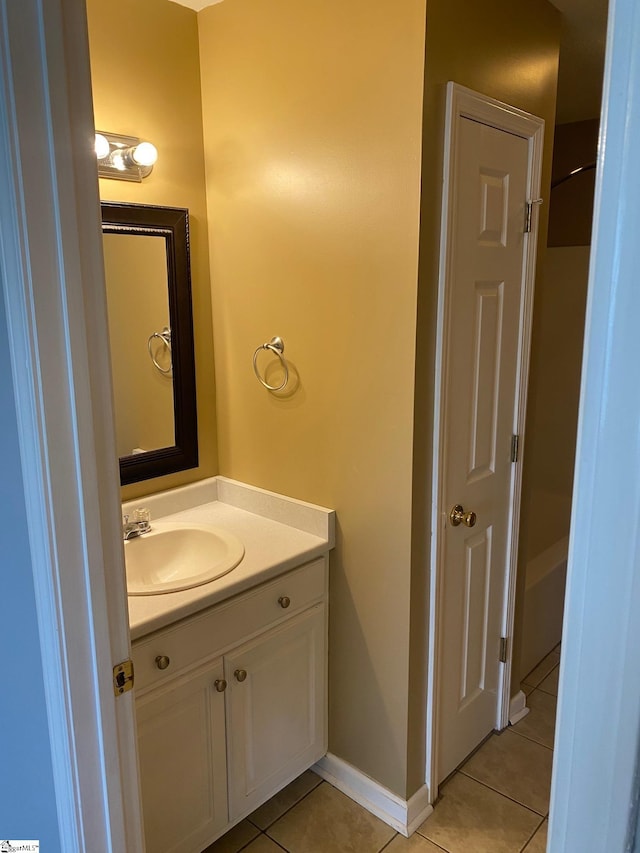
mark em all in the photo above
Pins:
pixel 496 802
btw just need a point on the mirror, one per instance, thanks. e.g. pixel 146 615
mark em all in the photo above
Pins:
pixel 146 255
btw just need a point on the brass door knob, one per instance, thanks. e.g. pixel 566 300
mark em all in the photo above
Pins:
pixel 240 674
pixel 162 661
pixel 284 601
pixel 220 684
pixel 459 516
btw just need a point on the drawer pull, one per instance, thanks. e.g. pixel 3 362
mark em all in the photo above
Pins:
pixel 240 674
pixel 284 601
pixel 162 661
pixel 220 684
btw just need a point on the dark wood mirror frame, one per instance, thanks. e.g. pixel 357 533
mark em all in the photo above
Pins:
pixel 172 223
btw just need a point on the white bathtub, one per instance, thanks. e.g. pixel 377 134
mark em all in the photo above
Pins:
pixel 543 604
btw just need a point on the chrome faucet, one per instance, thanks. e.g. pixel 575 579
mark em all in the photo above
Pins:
pixel 140 525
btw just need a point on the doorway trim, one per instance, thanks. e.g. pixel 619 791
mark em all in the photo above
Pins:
pixel 595 791
pixel 465 103
pixel 52 284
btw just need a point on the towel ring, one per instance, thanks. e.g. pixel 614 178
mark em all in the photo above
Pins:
pixel 165 337
pixel 276 346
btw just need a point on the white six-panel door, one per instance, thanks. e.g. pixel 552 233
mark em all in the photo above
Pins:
pixel 489 175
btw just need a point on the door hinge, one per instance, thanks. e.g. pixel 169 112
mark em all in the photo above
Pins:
pixel 515 447
pixel 123 677
pixel 503 650
pixel 528 213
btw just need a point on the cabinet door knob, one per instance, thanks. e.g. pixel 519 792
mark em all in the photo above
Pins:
pixel 240 674
pixel 284 601
pixel 220 684
pixel 162 661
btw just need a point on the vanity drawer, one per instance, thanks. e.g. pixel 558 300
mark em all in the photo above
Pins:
pixel 223 626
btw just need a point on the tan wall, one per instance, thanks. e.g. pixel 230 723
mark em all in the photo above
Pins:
pixel 553 410
pixel 312 117
pixel 510 52
pixel 146 83
pixel 556 360
pixel 571 211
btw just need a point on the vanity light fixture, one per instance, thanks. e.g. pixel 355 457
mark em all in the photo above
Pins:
pixel 124 158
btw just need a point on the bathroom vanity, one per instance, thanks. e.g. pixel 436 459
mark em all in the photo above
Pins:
pixel 231 676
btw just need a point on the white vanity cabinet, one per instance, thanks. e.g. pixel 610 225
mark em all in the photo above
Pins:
pixel 231 705
pixel 276 709
pixel 183 762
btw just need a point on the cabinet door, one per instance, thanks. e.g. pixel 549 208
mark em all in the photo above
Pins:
pixel 181 743
pixel 276 709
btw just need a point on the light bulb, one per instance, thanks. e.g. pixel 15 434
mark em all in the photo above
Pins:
pixel 102 146
pixel 144 154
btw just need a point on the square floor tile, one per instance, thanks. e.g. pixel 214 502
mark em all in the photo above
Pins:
pixel 262 844
pixel 543 669
pixel 237 838
pixel 471 818
pixel 284 800
pixel 514 766
pixel 326 821
pixel 538 843
pixel 540 722
pixel 415 844
pixel 550 683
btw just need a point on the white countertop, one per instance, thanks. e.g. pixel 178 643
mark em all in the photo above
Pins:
pixel 278 534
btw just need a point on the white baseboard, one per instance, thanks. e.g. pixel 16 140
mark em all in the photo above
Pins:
pixel 405 816
pixel 518 708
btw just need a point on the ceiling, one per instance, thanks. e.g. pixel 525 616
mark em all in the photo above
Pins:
pixel 196 5
pixel 581 58
pixel 581 55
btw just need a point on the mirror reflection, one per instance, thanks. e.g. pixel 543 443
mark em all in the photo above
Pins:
pixel 138 309
pixel 146 255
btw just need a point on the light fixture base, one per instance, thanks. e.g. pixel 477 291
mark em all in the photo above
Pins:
pixel 117 164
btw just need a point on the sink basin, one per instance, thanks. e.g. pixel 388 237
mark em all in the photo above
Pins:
pixel 175 556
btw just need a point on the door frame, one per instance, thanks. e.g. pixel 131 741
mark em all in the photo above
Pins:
pixel 465 103
pixel 595 790
pixel 52 283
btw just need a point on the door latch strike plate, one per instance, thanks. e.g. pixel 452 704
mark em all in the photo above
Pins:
pixel 503 650
pixel 123 677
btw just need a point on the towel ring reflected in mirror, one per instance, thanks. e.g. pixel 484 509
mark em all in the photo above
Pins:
pixel 165 337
